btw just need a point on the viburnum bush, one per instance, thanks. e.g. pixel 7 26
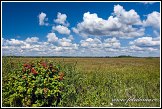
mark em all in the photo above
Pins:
pixel 35 84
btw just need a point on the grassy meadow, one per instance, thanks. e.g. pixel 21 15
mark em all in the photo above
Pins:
pixel 100 82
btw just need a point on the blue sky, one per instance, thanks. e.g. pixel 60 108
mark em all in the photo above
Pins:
pixel 81 29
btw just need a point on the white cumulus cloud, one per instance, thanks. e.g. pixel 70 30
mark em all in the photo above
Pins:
pixel 121 24
pixel 61 29
pixel 96 43
pixel 71 37
pixel 67 44
pixel 91 43
pixel 42 19
pixel 14 42
pixel 64 42
pixel 146 42
pixel 62 46
pixel 127 17
pixel 52 37
pixel 61 19
pixel 32 39
pixel 111 43
pixel 153 19
pixel 137 49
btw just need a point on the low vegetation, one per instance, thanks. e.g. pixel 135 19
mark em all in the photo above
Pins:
pixel 83 82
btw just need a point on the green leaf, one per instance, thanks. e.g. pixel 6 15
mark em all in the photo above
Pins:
pixel 29 91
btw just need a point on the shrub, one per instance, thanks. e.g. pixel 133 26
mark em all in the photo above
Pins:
pixel 35 84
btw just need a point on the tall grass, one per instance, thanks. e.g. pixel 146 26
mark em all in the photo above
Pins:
pixel 98 83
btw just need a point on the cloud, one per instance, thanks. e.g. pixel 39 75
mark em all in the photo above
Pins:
pixel 42 19
pixel 64 42
pixel 13 42
pixel 67 44
pixel 112 46
pixel 32 39
pixel 138 49
pixel 146 42
pixel 95 26
pixel 127 17
pixel 96 47
pixel 71 37
pixel 96 43
pixel 61 29
pixel 91 43
pixel 121 24
pixel 111 43
pixel 75 30
pixel 88 47
pixel 101 36
pixel 153 19
pixel 157 34
pixel 52 37
pixel 13 46
pixel 61 19
pixel 62 46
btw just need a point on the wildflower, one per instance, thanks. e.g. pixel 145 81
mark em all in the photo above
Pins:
pixel 34 71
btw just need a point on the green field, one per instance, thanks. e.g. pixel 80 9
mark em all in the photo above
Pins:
pixel 100 82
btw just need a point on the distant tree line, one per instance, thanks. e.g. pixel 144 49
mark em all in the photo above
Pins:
pixel 121 56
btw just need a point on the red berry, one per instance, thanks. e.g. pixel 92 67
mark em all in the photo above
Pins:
pixel 25 65
pixel 28 66
pixel 44 64
pixel 34 71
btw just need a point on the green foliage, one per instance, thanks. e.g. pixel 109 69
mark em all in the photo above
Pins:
pixel 34 84
pixel 88 82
